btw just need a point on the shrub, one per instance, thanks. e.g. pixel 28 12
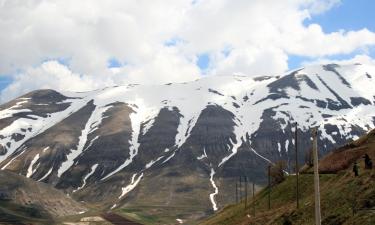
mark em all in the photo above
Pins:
pixel 277 172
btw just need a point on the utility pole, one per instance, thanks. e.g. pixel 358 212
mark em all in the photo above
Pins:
pixel 240 189
pixel 316 177
pixel 297 166
pixel 245 192
pixel 253 199
pixel 236 191
pixel 269 187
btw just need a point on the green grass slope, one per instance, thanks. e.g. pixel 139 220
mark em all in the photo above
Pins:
pixel 345 199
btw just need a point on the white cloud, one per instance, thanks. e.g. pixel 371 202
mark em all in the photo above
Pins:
pixel 362 59
pixel 51 75
pixel 320 6
pixel 167 65
pixel 240 36
pixel 250 61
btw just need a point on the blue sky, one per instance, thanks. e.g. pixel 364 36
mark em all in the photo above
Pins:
pixel 348 15
pixel 5 81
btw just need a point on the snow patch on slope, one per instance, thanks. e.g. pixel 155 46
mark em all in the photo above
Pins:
pixel 30 170
pixel 92 171
pixel 204 155
pixel 131 186
pixel 148 165
pixel 46 175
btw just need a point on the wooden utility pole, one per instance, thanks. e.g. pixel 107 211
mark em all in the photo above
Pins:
pixel 245 192
pixel 253 199
pixel 236 191
pixel 269 187
pixel 316 177
pixel 240 197
pixel 297 166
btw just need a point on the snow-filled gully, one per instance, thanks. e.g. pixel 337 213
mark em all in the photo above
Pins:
pixel 94 120
pixel 212 195
pixel 134 182
pixel 92 171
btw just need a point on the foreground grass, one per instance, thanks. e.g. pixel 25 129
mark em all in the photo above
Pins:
pixel 339 193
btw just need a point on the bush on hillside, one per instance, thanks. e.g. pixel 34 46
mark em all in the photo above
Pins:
pixel 277 172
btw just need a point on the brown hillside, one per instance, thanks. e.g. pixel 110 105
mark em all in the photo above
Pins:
pixel 343 157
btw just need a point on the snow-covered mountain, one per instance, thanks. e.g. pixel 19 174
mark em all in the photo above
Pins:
pixel 186 143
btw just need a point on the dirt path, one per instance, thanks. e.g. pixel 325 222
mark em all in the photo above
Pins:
pixel 118 220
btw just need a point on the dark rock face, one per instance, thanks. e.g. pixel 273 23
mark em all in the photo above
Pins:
pixel 356 101
pixel 284 82
pixel 153 145
pixel 108 146
pixel 308 81
pixel 262 78
pixel 332 104
pixel 212 133
pixel 159 138
pixel 332 68
pixel 186 175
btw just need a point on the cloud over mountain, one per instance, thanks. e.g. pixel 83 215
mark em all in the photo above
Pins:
pixel 105 42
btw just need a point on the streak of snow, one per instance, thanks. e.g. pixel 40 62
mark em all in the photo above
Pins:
pixel 267 160
pixel 91 125
pixel 204 155
pixel 234 151
pixel 212 195
pixel 91 142
pixel 30 170
pixel 10 161
pixel 287 145
pixel 92 171
pixel 131 186
pixel 140 111
pixel 171 156
pixel 46 175
pixel 148 165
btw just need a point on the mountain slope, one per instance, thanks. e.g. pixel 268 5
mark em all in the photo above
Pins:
pixel 341 193
pixel 24 200
pixel 182 143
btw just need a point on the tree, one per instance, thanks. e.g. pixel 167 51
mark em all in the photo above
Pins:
pixel 277 172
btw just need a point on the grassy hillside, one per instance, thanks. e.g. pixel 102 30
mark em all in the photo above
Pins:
pixel 341 192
